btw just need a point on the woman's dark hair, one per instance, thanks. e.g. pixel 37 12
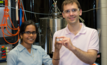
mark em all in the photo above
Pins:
pixel 25 24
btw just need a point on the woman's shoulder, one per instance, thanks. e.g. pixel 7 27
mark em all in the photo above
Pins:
pixel 14 51
pixel 38 47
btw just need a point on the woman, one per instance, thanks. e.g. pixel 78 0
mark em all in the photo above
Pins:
pixel 25 53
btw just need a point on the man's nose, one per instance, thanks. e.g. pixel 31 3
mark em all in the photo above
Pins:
pixel 71 13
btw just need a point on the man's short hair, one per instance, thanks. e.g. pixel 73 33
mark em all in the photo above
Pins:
pixel 71 2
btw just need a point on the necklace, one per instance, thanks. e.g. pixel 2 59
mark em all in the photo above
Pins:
pixel 32 54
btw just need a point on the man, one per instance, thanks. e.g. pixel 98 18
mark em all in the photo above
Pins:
pixel 80 44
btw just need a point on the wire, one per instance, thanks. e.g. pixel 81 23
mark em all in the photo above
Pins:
pixel 93 9
pixel 24 11
pixel 50 14
pixel 28 11
pixel 58 9
pixel 54 1
pixel 5 24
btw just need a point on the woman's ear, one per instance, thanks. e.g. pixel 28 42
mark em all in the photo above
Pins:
pixel 20 36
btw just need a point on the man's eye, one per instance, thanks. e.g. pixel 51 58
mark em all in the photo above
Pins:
pixel 67 11
pixel 74 10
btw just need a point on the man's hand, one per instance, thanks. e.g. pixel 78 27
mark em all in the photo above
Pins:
pixel 66 42
pixel 58 44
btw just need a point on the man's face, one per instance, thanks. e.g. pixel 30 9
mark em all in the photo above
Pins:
pixel 71 13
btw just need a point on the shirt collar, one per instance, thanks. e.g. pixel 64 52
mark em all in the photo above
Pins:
pixel 21 47
pixel 82 31
pixel 34 47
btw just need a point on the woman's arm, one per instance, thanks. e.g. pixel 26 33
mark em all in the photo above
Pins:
pixel 11 58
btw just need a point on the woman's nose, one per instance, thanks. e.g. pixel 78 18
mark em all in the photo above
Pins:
pixel 31 34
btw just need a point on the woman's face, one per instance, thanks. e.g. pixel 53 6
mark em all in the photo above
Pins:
pixel 29 36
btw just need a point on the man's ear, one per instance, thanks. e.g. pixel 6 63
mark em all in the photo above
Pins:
pixel 80 12
pixel 63 15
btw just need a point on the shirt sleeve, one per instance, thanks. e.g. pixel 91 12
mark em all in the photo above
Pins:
pixel 46 58
pixel 11 58
pixel 94 42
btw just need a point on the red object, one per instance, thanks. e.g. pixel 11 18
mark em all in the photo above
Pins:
pixel 3 51
pixel 2 46
pixel 3 57
pixel 4 54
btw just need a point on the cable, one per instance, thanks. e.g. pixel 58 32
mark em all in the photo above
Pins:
pixel 24 11
pixel 4 24
pixel 50 14
pixel 93 9
pixel 28 11
pixel 54 1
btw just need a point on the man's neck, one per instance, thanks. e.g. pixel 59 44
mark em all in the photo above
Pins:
pixel 74 28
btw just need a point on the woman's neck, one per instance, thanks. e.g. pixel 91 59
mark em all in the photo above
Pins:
pixel 27 46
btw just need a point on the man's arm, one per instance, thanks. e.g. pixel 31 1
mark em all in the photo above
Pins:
pixel 56 58
pixel 87 57
pixel 56 53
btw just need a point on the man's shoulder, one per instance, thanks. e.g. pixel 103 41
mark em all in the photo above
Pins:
pixel 90 29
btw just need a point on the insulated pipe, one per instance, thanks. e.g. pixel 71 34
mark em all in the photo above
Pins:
pixel 20 16
pixel 103 32
pixel 17 10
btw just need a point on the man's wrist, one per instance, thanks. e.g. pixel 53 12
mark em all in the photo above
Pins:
pixel 57 50
pixel 73 48
pixel 55 58
pixel 56 55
